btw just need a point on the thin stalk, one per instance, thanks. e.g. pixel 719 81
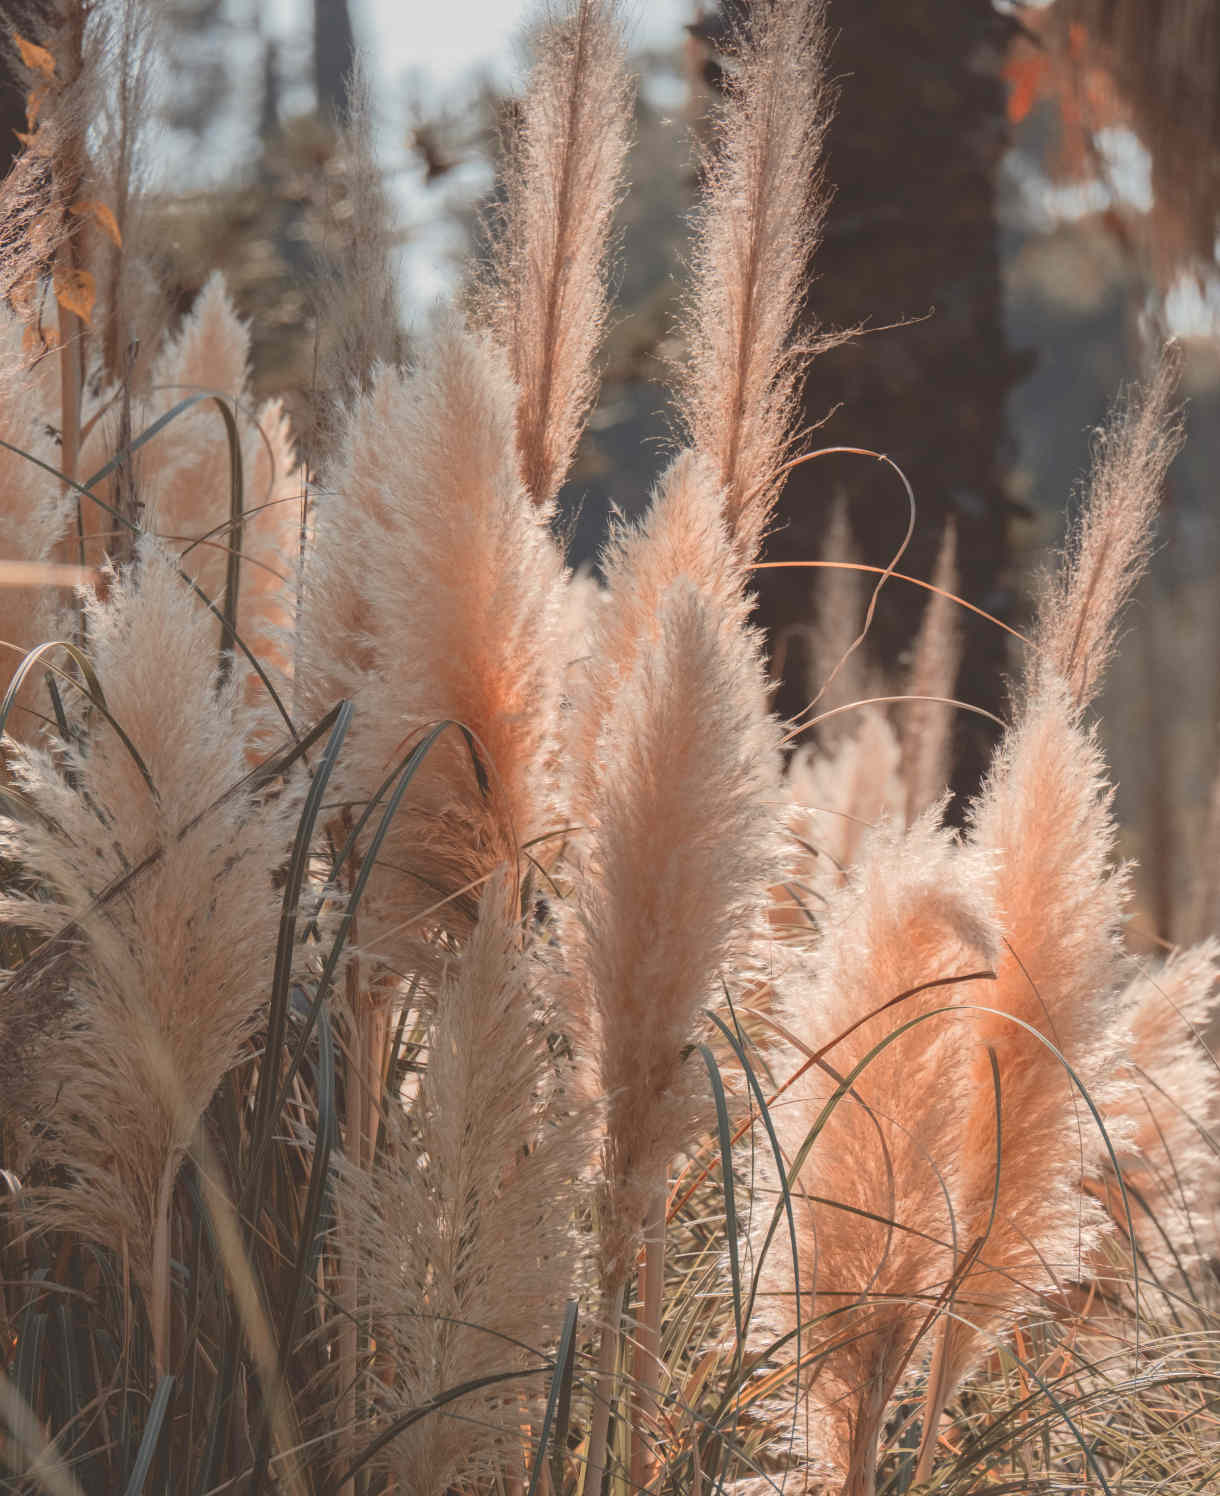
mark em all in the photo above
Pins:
pixel 862 1474
pixel 159 1309
pixel 934 1407
pixel 69 408
pixel 648 1343
pixel 603 1390
pixel 354 1132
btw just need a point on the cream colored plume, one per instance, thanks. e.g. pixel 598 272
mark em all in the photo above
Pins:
pixel 433 593
pixel 682 847
pixel 1109 546
pixel 926 727
pixel 1167 1120
pixel 182 475
pixel 466 1249
pixel 682 535
pixel 877 1193
pixel 544 294
pixel 755 230
pixel 159 900
pixel 35 514
pixel 838 674
pixel 840 793
pixel 1042 830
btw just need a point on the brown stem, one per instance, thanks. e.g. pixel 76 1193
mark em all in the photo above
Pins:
pixel 648 1343
pixel 603 1390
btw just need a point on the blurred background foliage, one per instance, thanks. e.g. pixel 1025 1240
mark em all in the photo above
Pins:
pixel 1026 201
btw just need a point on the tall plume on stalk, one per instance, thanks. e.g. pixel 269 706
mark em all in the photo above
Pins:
pixel 1042 831
pixel 1109 546
pixel 466 1253
pixel 837 677
pixel 544 295
pixel 433 593
pixel 681 535
pixel 874 1198
pixel 926 727
pixel 671 893
pixel 156 892
pixel 755 231
pixel 668 899
pixel 358 314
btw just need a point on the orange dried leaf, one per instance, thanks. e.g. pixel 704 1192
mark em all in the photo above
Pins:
pixel 33 105
pixel 97 210
pixel 75 291
pixel 1025 77
pixel 36 58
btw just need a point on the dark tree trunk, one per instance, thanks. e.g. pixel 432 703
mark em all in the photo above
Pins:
pixel 334 55
pixel 911 234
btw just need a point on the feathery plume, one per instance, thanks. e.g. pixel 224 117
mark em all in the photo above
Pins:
pixel 874 1199
pixel 682 535
pixel 1043 832
pixel 1169 1111
pixel 926 727
pixel 466 1253
pixel 35 512
pixel 1108 549
pixel 544 297
pixel 182 476
pixel 671 895
pixel 1043 828
pixel 755 231
pixel 668 898
pixel 167 889
pixel 838 663
pixel 433 593
pixel 357 315
pixel 838 795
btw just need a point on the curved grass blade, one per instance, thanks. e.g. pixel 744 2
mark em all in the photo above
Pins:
pixel 286 941
pixel 725 1133
pixel 325 980
pixel 152 1435
pixel 217 613
pixel 310 1238
pixel 564 1360
pixel 265 1111
pixel 94 693
pixel 425 1410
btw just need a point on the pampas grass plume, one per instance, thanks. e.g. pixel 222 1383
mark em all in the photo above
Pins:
pixel 671 892
pixel 168 973
pixel 434 592
pixel 926 727
pixel 544 295
pixel 875 1198
pixel 1109 546
pixel 465 1248
pixel 755 230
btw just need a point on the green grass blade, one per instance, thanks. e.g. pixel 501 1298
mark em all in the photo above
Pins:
pixel 564 1358
pixel 152 1435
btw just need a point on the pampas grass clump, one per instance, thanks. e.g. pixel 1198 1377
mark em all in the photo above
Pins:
pixel 446 1045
